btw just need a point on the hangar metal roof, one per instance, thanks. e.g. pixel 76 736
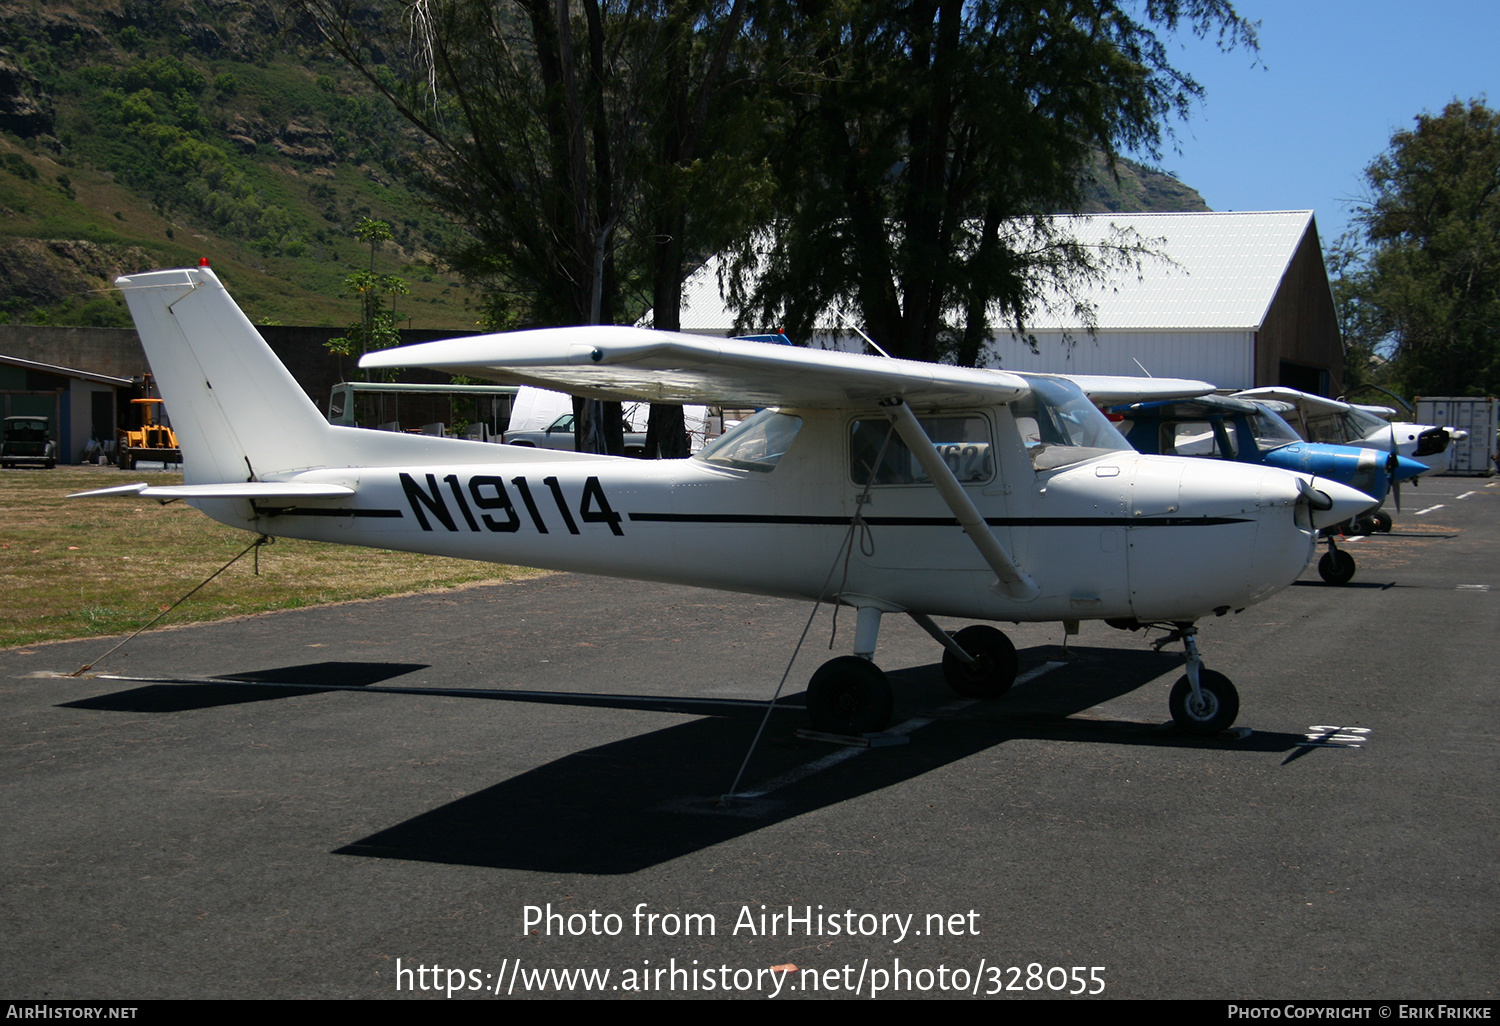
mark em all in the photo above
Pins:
pixel 1215 271
pixel 65 372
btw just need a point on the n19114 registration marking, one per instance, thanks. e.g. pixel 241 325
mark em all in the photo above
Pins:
pixel 484 500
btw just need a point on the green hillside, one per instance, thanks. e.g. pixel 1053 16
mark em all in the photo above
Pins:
pixel 141 135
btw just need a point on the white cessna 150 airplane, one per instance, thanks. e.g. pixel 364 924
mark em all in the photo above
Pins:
pixel 885 485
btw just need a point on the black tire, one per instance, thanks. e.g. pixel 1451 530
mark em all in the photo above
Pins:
pixel 849 695
pixel 994 670
pixel 1336 567
pixel 1382 520
pixel 1221 704
pixel 125 461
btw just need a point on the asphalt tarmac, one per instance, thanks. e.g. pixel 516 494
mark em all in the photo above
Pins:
pixel 480 791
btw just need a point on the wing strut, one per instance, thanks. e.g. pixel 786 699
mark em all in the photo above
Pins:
pixel 1014 581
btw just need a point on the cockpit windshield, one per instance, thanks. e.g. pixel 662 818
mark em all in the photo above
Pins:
pixel 1060 426
pixel 1271 432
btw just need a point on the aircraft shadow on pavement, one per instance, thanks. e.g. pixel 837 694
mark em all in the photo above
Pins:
pixel 631 804
pixel 239 688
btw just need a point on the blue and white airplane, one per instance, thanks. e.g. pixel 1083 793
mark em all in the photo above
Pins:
pixel 1229 428
pixel 1320 419
pixel 885 485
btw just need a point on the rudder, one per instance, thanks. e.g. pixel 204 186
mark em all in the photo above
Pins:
pixel 238 413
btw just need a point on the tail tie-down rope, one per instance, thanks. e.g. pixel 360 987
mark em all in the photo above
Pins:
pixel 255 545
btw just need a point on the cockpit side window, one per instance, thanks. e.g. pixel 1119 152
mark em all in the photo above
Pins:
pixel 1204 438
pixel 757 443
pixel 878 455
pixel 1327 427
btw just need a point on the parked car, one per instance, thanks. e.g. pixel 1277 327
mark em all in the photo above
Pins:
pixel 28 440
pixel 559 435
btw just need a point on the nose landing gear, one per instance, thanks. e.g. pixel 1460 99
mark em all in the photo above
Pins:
pixel 1336 566
pixel 1202 701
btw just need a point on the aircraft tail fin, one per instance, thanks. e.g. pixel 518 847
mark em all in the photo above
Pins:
pixel 238 413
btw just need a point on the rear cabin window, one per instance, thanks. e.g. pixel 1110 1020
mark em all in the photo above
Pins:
pixel 1213 439
pixel 878 455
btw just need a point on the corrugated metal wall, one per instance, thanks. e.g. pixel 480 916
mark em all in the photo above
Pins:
pixel 1226 358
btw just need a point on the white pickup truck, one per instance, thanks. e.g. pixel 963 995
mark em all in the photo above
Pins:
pixel 559 435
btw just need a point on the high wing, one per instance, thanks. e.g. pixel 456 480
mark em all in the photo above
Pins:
pixel 621 363
pixel 1383 412
pixel 1301 400
pixel 1116 390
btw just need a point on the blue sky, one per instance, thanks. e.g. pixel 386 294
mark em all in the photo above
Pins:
pixel 1335 79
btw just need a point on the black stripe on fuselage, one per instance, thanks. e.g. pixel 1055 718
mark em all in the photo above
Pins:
pixel 786 519
pixel 318 511
pixel 774 518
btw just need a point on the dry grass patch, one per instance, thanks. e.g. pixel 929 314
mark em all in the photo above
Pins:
pixel 76 568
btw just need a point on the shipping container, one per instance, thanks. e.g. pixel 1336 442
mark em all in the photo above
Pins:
pixel 1475 455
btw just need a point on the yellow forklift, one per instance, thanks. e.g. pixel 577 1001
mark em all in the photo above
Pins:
pixel 147 435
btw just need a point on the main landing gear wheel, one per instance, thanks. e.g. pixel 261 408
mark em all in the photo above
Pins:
pixel 995 663
pixel 1382 521
pixel 1336 567
pixel 1215 712
pixel 849 695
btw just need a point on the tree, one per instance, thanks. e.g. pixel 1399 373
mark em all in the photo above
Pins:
pixel 376 328
pixel 1425 288
pixel 560 137
pixel 923 139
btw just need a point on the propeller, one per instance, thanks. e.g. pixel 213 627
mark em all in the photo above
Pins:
pixel 1392 464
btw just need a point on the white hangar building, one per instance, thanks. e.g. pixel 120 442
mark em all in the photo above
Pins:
pixel 1241 299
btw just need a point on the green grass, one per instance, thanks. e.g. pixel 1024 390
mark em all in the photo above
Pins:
pixel 79 568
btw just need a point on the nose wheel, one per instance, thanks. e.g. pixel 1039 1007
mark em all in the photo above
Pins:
pixel 1202 701
pixel 1336 566
pixel 1211 710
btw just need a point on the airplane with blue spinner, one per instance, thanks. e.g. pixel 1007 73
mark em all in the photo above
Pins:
pixel 1229 428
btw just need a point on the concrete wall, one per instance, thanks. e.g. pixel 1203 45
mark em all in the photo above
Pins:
pixel 117 351
pixel 113 351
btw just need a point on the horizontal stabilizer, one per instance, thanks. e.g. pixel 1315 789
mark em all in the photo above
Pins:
pixel 233 490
